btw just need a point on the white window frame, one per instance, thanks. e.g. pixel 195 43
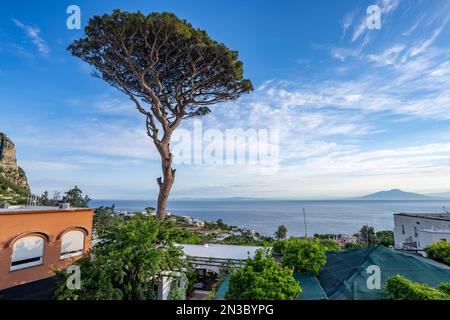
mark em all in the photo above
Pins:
pixel 33 260
pixel 72 253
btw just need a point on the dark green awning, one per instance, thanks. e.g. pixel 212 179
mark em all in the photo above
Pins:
pixel 311 288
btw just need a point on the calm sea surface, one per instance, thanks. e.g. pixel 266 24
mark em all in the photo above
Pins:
pixel 265 216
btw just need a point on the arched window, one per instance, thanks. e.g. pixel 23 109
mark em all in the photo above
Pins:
pixel 72 244
pixel 27 252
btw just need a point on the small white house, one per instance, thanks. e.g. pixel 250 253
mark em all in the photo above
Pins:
pixel 187 219
pixel 415 231
pixel 198 223
pixel 223 237
pixel 236 233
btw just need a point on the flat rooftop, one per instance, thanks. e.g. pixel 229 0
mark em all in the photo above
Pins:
pixel 36 209
pixel 220 251
pixel 432 216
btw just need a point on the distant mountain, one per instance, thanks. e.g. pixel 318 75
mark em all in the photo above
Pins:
pixel 396 194
pixel 442 195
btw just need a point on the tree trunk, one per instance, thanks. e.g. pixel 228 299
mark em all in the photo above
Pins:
pixel 165 183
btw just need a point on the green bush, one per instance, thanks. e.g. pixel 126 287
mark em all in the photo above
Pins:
pixel 444 287
pixel 263 279
pixel 185 237
pixel 176 292
pixel 303 255
pixel 279 246
pixel 126 263
pixel 350 245
pixel 400 288
pixel 247 241
pixel 439 251
pixel 329 245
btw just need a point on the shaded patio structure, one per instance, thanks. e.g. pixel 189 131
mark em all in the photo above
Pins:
pixel 210 259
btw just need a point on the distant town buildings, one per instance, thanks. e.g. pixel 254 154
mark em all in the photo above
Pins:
pixel 187 219
pixel 343 239
pixel 34 241
pixel 415 231
pixel 198 223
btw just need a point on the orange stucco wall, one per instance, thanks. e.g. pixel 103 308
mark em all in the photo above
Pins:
pixel 14 225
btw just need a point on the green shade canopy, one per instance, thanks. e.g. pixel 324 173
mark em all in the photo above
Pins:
pixel 223 289
pixel 311 288
pixel 344 277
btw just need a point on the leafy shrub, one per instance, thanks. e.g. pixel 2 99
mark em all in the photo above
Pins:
pixel 263 279
pixel 400 288
pixel 128 255
pixel 185 237
pixel 329 245
pixel 176 292
pixel 304 255
pixel 247 241
pixel 350 245
pixel 279 246
pixel 444 287
pixel 439 251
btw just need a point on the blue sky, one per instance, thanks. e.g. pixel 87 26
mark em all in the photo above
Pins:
pixel 358 110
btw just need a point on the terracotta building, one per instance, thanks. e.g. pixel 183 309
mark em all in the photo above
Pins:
pixel 34 241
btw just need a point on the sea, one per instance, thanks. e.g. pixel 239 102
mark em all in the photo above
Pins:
pixel 323 217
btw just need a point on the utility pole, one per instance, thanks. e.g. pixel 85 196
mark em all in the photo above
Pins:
pixel 306 228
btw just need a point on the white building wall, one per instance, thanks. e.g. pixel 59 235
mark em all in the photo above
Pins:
pixel 164 288
pixel 427 237
pixel 409 228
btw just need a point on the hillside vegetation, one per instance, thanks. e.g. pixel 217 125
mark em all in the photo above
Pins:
pixel 11 193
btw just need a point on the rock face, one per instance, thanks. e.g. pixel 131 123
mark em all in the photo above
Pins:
pixel 8 164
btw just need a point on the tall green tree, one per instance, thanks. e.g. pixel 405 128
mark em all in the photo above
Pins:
pixel 45 200
pixel 281 233
pixel 76 199
pixel 385 238
pixel 170 70
pixel 263 279
pixel 367 236
pixel 127 262
pixel 104 217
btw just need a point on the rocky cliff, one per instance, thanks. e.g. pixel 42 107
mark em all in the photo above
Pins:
pixel 12 178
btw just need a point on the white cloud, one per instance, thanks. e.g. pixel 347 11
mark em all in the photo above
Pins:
pixel 359 29
pixel 389 56
pixel 33 33
pixel 344 53
pixel 347 22
pixel 48 166
pixel 387 8
pixel 426 43
pixel 354 172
